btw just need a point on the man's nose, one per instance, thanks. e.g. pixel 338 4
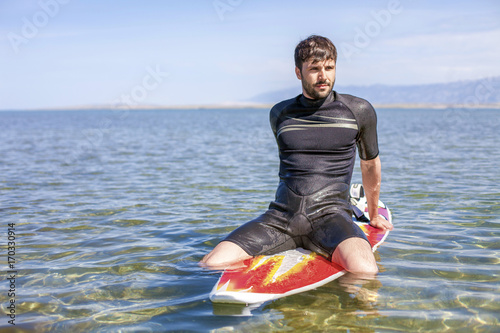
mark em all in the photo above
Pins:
pixel 321 74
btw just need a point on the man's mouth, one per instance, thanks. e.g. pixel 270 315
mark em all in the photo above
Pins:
pixel 322 85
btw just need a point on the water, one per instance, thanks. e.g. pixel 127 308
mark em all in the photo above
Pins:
pixel 113 209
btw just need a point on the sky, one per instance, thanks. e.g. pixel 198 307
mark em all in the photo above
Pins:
pixel 69 53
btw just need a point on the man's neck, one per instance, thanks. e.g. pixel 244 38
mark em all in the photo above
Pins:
pixel 309 102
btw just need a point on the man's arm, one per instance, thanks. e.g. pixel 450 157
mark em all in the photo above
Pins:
pixel 371 173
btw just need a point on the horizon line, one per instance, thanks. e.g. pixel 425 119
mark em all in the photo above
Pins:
pixel 246 106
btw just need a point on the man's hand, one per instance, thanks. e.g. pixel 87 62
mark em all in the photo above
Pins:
pixel 381 223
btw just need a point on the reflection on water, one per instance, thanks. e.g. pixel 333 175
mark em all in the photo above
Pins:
pixel 113 211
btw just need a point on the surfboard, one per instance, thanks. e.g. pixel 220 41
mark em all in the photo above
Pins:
pixel 269 277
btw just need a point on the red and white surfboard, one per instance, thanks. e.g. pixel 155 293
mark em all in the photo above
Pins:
pixel 266 278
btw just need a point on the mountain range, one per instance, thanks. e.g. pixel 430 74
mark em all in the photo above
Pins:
pixel 469 93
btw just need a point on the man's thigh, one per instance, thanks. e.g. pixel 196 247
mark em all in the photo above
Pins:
pixel 331 230
pixel 225 254
pixel 267 234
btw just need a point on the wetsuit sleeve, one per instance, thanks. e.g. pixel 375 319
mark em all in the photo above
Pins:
pixel 273 118
pixel 366 118
pixel 367 138
pixel 277 111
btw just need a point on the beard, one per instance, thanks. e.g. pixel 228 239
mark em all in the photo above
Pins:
pixel 311 90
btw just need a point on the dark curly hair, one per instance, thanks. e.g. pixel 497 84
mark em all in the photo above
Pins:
pixel 317 47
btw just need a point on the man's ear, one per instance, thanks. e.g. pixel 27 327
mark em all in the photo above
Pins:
pixel 297 72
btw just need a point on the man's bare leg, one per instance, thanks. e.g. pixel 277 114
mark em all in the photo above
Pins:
pixel 225 254
pixel 362 269
pixel 356 256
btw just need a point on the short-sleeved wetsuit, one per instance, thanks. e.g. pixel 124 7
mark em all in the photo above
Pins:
pixel 317 142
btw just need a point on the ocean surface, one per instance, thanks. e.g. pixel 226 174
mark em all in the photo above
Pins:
pixel 109 212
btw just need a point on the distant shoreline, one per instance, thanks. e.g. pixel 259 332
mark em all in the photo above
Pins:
pixel 436 106
pixel 250 106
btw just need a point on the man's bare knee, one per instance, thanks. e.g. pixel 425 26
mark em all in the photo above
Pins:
pixel 356 256
pixel 366 269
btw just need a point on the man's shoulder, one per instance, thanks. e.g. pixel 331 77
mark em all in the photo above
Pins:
pixel 354 102
pixel 283 105
pixel 362 110
pixel 279 109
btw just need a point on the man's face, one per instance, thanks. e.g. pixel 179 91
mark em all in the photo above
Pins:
pixel 317 78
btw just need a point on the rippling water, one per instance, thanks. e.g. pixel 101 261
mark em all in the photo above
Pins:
pixel 113 210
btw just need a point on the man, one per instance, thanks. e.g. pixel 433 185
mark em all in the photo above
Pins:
pixel 317 134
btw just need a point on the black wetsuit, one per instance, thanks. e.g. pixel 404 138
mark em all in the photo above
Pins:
pixel 317 142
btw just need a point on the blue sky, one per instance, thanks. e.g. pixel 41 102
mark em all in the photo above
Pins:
pixel 58 53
